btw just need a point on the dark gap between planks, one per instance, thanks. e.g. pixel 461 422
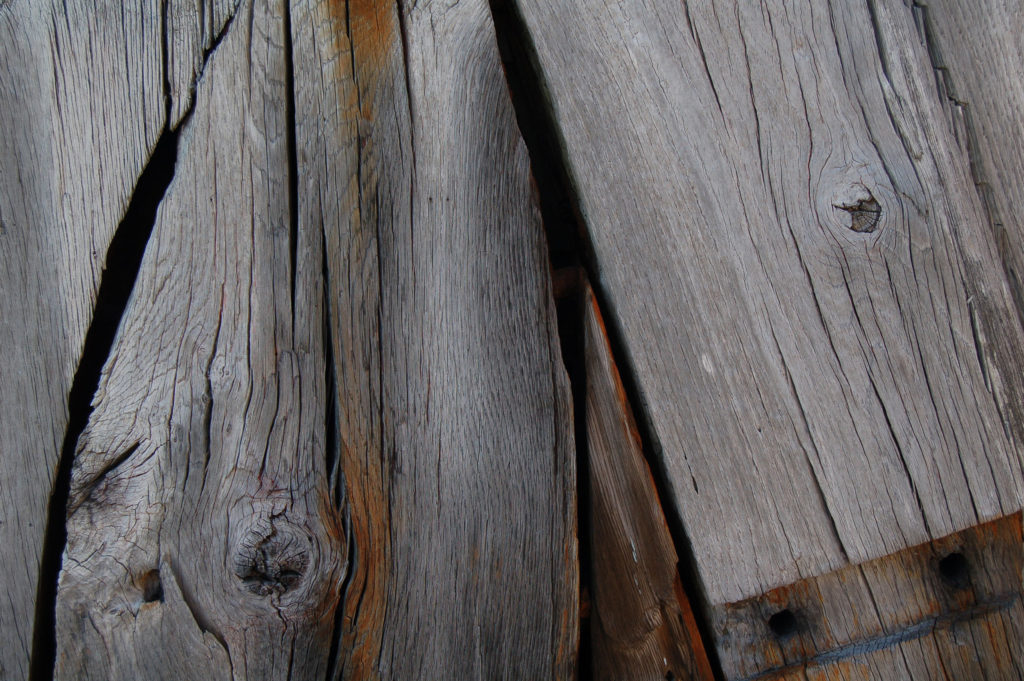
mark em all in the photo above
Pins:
pixel 570 248
pixel 124 257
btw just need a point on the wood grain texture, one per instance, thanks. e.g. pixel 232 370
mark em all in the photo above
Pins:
pixel 642 626
pixel 200 501
pixel 976 51
pixel 454 424
pixel 82 105
pixel 333 438
pixel 811 301
pixel 949 609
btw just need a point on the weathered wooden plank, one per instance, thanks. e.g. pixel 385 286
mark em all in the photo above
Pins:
pixel 200 501
pixel 207 494
pixel 976 51
pixel 82 105
pixel 642 626
pixel 790 241
pixel 454 423
pixel 949 609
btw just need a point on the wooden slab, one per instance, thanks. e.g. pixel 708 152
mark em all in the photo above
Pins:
pixel 642 625
pixel 82 106
pixel 454 422
pixel 976 50
pixel 949 609
pixel 200 502
pixel 333 439
pixel 792 246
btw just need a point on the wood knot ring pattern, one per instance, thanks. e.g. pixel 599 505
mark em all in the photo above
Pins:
pixel 272 559
pixel 864 210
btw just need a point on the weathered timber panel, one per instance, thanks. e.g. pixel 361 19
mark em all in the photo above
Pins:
pixel 976 50
pixel 809 294
pixel 454 424
pixel 200 519
pixel 642 626
pixel 333 436
pixel 82 105
pixel 949 609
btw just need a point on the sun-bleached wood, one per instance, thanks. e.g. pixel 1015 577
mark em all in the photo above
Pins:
pixel 976 50
pixel 642 626
pixel 338 382
pixel 809 295
pixel 454 423
pixel 82 105
pixel 200 502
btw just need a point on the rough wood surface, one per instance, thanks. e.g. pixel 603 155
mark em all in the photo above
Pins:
pixel 333 438
pixel 976 50
pixel 82 105
pixel 950 609
pixel 454 423
pixel 642 626
pixel 808 291
pixel 200 501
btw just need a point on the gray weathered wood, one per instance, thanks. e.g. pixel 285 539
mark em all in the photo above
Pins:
pixel 976 50
pixel 642 626
pixel 82 104
pixel 203 464
pixel 809 295
pixel 454 423
pixel 218 492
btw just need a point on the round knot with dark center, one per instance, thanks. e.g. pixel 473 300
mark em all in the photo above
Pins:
pixel 272 559
pixel 864 211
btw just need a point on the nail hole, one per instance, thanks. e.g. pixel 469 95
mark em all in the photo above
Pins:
pixel 783 623
pixel 669 676
pixel 955 570
pixel 152 588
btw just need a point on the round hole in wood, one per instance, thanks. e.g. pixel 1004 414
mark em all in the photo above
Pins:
pixel 954 570
pixel 783 623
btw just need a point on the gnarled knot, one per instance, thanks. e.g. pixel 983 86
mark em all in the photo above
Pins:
pixel 272 559
pixel 860 203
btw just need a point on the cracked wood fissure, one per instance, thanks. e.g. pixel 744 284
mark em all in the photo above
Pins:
pixel 976 52
pixel 812 303
pixel 454 424
pixel 83 102
pixel 350 188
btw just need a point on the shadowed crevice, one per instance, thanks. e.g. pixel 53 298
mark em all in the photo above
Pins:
pixel 120 271
pixel 121 267
pixel 570 247
pixel 293 163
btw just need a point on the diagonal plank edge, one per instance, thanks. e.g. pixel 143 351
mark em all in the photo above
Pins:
pixel 789 237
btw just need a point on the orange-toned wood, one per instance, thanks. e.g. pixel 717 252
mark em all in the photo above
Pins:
pixel 642 626
pixel 948 609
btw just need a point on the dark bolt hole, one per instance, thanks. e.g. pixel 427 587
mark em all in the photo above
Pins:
pixel 152 588
pixel 783 623
pixel 955 570
pixel 669 676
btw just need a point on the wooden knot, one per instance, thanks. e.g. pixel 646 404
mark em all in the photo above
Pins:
pixel 272 557
pixel 864 211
